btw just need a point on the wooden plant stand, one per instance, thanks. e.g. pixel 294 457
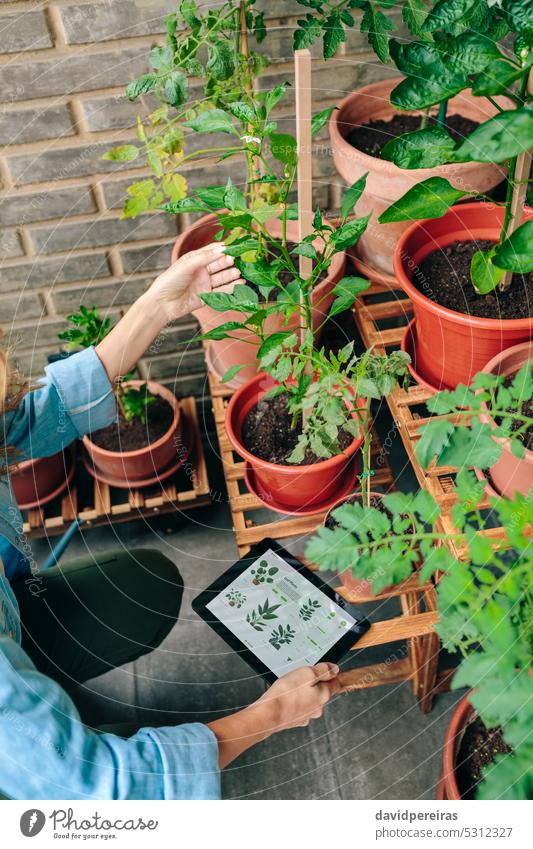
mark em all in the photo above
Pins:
pixel 100 504
pixel 407 406
pixel 418 604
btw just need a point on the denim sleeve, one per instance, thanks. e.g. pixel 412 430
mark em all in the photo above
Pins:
pixel 74 398
pixel 47 753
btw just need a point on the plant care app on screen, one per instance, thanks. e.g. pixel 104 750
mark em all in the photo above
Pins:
pixel 279 615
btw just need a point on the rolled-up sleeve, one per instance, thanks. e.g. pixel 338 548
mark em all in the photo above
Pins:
pixel 74 398
pixel 47 753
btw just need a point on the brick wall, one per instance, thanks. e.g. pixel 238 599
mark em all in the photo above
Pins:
pixel 63 67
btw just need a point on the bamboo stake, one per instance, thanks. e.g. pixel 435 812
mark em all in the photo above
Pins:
pixel 520 178
pixel 302 74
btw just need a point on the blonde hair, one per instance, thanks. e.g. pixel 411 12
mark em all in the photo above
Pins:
pixel 13 387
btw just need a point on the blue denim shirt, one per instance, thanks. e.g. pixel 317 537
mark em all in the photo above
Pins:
pixel 45 750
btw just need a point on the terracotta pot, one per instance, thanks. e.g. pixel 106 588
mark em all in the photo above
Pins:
pixel 451 346
pixel 511 474
pixel 36 482
pixel 296 487
pixel 463 714
pixel 386 182
pixel 238 350
pixel 144 463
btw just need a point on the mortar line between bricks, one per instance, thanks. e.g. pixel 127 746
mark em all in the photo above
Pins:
pixel 55 24
pixel 13 262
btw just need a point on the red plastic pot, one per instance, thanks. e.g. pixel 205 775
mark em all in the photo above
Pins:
pixel 452 347
pixel 142 465
pixel 227 353
pixel 511 474
pixel 463 714
pixel 36 482
pixel 386 182
pixel 295 487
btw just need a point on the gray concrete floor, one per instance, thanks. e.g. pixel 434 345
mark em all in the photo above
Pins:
pixel 371 744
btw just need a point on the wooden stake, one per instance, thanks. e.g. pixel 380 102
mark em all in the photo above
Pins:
pixel 302 74
pixel 521 176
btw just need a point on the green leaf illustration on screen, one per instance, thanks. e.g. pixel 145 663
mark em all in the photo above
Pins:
pixel 282 636
pixel 264 574
pixel 308 608
pixel 259 618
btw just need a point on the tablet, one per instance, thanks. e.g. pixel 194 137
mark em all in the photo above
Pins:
pixel 277 614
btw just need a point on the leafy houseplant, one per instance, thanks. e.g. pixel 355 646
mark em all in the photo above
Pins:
pixel 135 450
pixel 457 265
pixel 404 107
pixel 485 602
pixel 204 68
pixel 489 424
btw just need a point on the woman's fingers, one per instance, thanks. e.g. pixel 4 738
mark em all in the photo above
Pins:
pixel 226 276
pixel 220 263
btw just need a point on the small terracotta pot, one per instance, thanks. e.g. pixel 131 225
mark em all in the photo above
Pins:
pixel 238 351
pixel 292 486
pixel 36 482
pixel 386 182
pixel 511 474
pixel 143 463
pixel 463 714
pixel 451 346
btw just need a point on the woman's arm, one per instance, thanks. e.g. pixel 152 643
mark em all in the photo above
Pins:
pixel 173 294
pixel 291 702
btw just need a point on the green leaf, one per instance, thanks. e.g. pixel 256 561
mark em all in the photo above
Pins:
pixel 306 249
pixel 273 97
pixel 352 195
pixel 377 25
pixel 333 35
pixel 161 57
pixel 420 149
pixel 212 121
pixel 320 119
pixel 188 13
pixel 260 29
pixel 234 199
pixel 213 196
pixel 240 248
pixel 496 78
pixel 274 342
pixel 347 291
pixel 220 60
pixel 419 92
pixel 176 89
pixel 499 138
pixel 222 331
pixel 485 276
pixel 348 234
pixel 516 252
pixel 283 148
pixel 433 438
pixel 446 12
pixel 414 13
pixel 429 199
pixel 307 33
pixel 230 374
pixel 242 111
pixel 123 153
pixel 141 86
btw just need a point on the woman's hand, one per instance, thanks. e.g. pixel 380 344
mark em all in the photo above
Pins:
pixel 291 702
pixel 300 696
pixel 177 289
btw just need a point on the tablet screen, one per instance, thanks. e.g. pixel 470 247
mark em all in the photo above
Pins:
pixel 279 615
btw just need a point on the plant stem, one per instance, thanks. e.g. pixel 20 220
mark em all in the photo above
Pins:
pixel 441 117
pixel 424 119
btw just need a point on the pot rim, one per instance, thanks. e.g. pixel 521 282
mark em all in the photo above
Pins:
pixel 384 166
pixel 157 389
pixel 461 716
pixel 490 369
pixel 346 454
pixel 444 312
